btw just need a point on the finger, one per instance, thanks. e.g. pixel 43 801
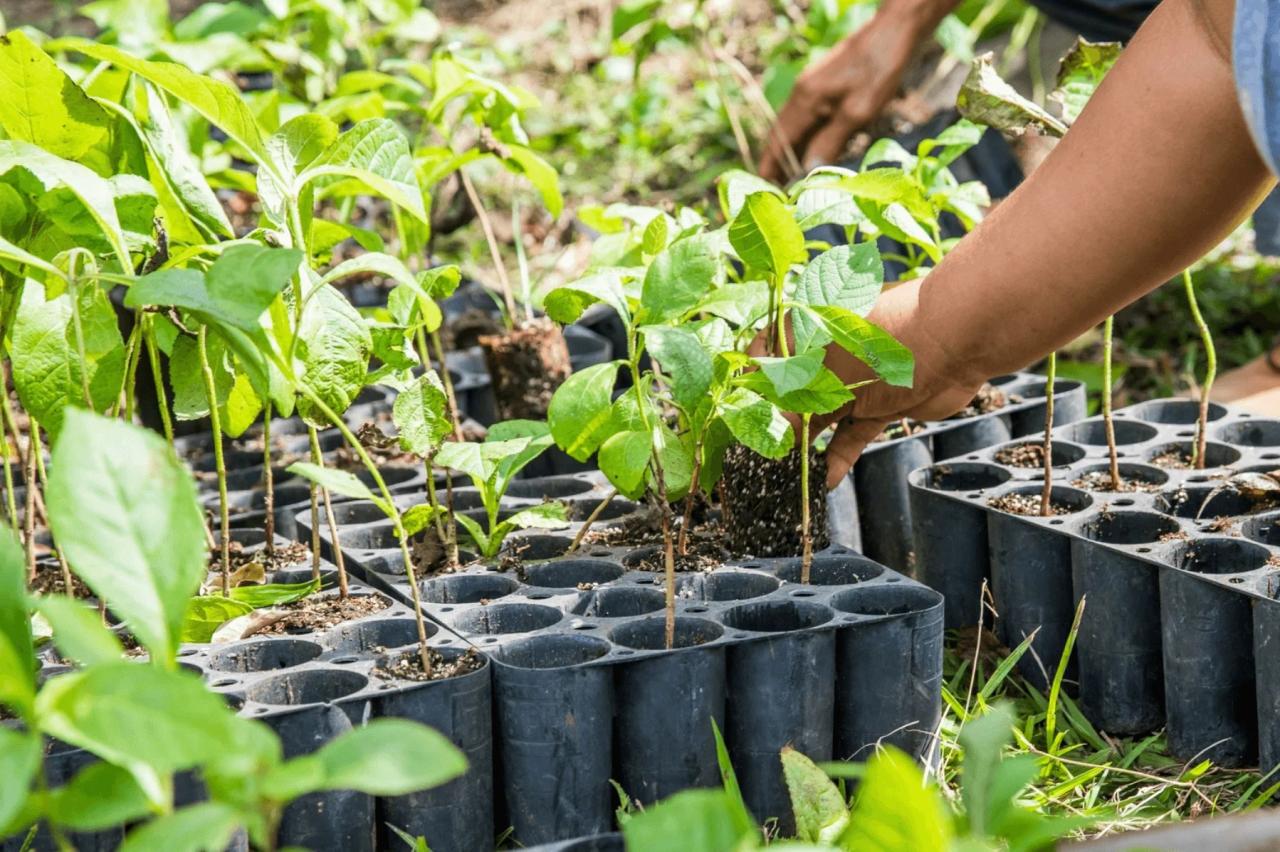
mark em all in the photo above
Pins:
pixel 847 444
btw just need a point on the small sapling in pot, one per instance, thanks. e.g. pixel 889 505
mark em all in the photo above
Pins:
pixel 1210 371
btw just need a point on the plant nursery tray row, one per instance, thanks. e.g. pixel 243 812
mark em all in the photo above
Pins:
pixel 584 691
pixel 880 477
pixel 1179 571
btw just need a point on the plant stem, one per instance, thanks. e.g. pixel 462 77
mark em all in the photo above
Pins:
pixel 79 335
pixel 29 513
pixel 668 555
pixel 269 481
pixel 215 421
pixel 806 539
pixel 9 434
pixel 446 378
pixel 315 532
pixel 433 500
pixel 133 353
pixel 591 519
pixel 157 376
pixel 683 544
pixel 11 501
pixel 392 511
pixel 317 458
pixel 451 539
pixel 487 227
pixel 1107 419
pixel 1210 372
pixel 1046 492
pixel 44 482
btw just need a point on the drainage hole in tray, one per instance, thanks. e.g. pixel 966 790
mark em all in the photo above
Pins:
pixel 344 661
pixel 226 681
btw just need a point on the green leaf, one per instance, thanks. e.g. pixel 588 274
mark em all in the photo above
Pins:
pixel 871 344
pixel 1080 73
pixel 376 153
pixel 17 656
pixel 822 394
pixel 205 827
pixel 274 594
pixel 848 276
pixel 124 713
pixel 728 777
pixel 983 739
pixel 334 345
pixel 896 808
pixel 544 516
pixel 418 518
pixel 677 280
pixel 20 754
pixel 206 613
pixel 766 236
pixel 580 413
pixel 238 404
pixel 386 757
pixel 421 413
pixel 124 512
pixel 338 481
pixel 692 821
pixel 541 175
pixel 99 797
pixel 44 106
pixel 886 186
pixel 219 103
pixel 624 460
pixel 792 373
pixel 51 174
pixel 818 806
pixel 735 186
pixel 684 361
pixel 78 631
pixel 741 304
pixel 757 424
pixel 513 444
pixel 488 548
pixel 984 98
pixel 566 304
pixel 654 238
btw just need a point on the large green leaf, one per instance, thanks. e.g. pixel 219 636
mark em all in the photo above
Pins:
pixel 692 821
pixel 817 803
pixel 580 413
pixel 765 234
pixel 741 304
pixel 896 808
pixel 386 757
pixel 17 657
pixel 220 103
pixel 50 174
pixel 206 613
pixel 757 424
pixel 375 153
pixel 125 514
pixel 848 276
pixel 78 631
pixel 871 344
pixel 735 186
pixel 46 359
pixel 565 304
pixel 205 827
pixel 683 360
pixel 334 345
pixel 421 413
pixel 539 173
pixel 677 280
pixel 20 754
pixel 238 403
pixel 100 796
pixel 338 481
pixel 822 393
pixel 43 105
pixel 624 459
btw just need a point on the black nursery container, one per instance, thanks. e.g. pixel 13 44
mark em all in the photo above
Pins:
pixel 884 507
pixel 584 692
pixel 1179 575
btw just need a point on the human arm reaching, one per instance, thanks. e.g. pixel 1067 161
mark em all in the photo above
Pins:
pixel 1157 170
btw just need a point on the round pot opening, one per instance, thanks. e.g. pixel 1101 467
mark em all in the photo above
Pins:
pixel 361 636
pixel 310 686
pixel 1221 556
pixel 727 585
pixel 964 476
pixel 649 634
pixel 1174 412
pixel 554 651
pixel 572 573
pixel 468 588
pixel 777 616
pixel 1130 528
pixel 884 599
pixel 831 570
pixel 497 619
pixel 623 602
pixel 1093 433
pixel 263 655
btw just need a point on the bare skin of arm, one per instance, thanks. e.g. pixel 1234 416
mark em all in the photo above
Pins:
pixel 1155 172
pixel 841 93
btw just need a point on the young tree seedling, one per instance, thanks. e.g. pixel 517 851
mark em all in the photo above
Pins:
pixel 1210 371
pixel 1108 421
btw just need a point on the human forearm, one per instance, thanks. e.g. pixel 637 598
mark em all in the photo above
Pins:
pixel 1157 170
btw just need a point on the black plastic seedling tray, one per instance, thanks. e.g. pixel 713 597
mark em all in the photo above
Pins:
pixel 585 693
pixel 883 508
pixel 1181 612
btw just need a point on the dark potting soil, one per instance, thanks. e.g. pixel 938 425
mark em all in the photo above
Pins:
pixel 284 556
pixel 408 666
pixel 700 555
pixel 466 330
pixel 1026 504
pixel 989 398
pixel 1173 460
pixel 899 429
pixel 1100 480
pixel 526 366
pixel 1022 455
pixel 320 613
pixel 48 581
pixel 760 503
pixel 1176 535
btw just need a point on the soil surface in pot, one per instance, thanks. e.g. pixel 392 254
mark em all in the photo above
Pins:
pixel 320 613
pixel 468 327
pixel 284 556
pixel 526 366
pixel 989 398
pixel 1022 455
pixel 1100 480
pixel 1174 460
pixel 1026 504
pixel 48 581
pixel 760 503
pixel 899 429
pixel 408 666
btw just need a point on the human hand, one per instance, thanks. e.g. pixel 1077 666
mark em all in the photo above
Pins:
pixel 837 96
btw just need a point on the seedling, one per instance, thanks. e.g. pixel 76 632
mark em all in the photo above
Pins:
pixel 1107 402
pixel 1050 381
pixel 1210 371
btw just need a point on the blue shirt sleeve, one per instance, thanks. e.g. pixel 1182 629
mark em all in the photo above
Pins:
pixel 1256 58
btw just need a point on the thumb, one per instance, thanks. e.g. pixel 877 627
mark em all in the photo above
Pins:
pixel 850 439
